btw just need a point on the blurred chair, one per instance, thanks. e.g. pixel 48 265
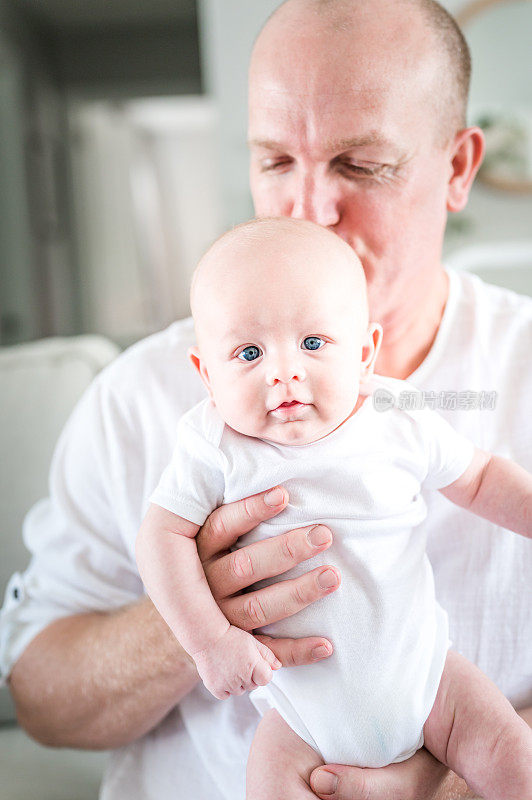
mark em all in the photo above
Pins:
pixel 40 383
pixel 507 264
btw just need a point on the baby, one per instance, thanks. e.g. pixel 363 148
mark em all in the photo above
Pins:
pixel 287 355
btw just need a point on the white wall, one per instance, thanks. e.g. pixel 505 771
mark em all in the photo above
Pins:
pixel 147 206
pixel 227 31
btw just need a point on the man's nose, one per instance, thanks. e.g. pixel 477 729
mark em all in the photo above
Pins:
pixel 315 199
pixel 284 370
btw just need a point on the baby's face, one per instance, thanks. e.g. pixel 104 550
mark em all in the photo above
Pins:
pixel 281 330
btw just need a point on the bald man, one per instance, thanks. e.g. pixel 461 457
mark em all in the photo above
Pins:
pixel 357 122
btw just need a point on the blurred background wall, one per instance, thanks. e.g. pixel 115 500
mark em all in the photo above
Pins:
pixel 123 153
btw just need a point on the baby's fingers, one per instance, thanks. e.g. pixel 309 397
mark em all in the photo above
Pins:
pixel 262 674
pixel 268 655
pixel 219 693
pixel 263 670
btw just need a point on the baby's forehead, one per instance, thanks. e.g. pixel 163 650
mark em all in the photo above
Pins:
pixel 277 267
pixel 292 259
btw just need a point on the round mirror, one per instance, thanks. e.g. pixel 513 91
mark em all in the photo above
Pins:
pixel 499 33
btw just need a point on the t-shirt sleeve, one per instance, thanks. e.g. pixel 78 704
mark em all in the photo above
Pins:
pixel 449 452
pixel 80 561
pixel 192 485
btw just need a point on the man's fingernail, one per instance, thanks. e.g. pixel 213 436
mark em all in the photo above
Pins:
pixel 328 579
pixel 274 498
pixel 321 651
pixel 318 536
pixel 324 782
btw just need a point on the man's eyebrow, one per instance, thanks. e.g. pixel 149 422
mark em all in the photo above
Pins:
pixel 372 138
pixel 267 144
pixel 335 146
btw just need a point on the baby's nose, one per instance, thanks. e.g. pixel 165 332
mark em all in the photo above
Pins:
pixel 285 371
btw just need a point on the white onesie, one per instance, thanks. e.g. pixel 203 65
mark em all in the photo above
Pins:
pixel 367 703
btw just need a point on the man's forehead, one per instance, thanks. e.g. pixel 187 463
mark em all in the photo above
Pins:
pixel 365 113
pixel 350 124
pixel 381 71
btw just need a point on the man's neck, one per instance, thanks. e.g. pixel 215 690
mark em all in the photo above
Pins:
pixel 409 336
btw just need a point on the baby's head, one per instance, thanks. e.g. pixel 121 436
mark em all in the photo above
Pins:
pixel 281 320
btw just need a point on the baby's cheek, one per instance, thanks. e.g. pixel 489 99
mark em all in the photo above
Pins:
pixel 245 412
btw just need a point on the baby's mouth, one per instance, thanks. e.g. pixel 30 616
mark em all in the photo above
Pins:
pixel 289 409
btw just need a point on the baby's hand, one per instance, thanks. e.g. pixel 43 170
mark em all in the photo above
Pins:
pixel 235 664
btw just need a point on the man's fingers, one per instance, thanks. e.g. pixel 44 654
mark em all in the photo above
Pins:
pixel 236 571
pixel 293 652
pixel 326 783
pixel 223 527
pixel 419 778
pixel 338 782
pixel 280 600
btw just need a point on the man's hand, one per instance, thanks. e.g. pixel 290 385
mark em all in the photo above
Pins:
pixel 229 573
pixel 422 777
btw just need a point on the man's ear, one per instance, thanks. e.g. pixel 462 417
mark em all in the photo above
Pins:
pixel 197 361
pixel 466 157
pixel 370 350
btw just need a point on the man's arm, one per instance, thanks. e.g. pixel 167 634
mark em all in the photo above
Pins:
pixel 101 680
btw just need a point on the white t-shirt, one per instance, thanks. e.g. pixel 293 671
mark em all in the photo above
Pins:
pixel 109 460
pixel 368 702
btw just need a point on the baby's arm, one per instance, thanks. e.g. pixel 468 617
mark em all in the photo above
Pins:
pixel 497 489
pixel 229 660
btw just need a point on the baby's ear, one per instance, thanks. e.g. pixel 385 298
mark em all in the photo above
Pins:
pixel 197 361
pixel 370 350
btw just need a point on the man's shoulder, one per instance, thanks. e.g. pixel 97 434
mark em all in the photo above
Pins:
pixel 158 349
pixel 491 306
pixel 158 362
pixel 484 337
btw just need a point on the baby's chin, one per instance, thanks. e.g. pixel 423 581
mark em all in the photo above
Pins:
pixel 294 432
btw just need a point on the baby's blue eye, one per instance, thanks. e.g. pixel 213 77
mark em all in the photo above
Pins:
pixel 250 353
pixel 312 343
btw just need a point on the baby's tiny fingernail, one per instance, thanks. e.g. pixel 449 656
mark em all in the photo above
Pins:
pixel 321 651
pixel 277 664
pixel 328 579
pixel 324 782
pixel 274 498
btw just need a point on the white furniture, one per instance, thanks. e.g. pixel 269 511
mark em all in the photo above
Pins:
pixel 40 383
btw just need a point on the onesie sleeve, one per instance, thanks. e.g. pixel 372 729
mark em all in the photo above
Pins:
pixel 192 484
pixel 449 452
pixel 444 453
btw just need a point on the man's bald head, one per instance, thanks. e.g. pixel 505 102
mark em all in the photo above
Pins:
pixel 450 79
